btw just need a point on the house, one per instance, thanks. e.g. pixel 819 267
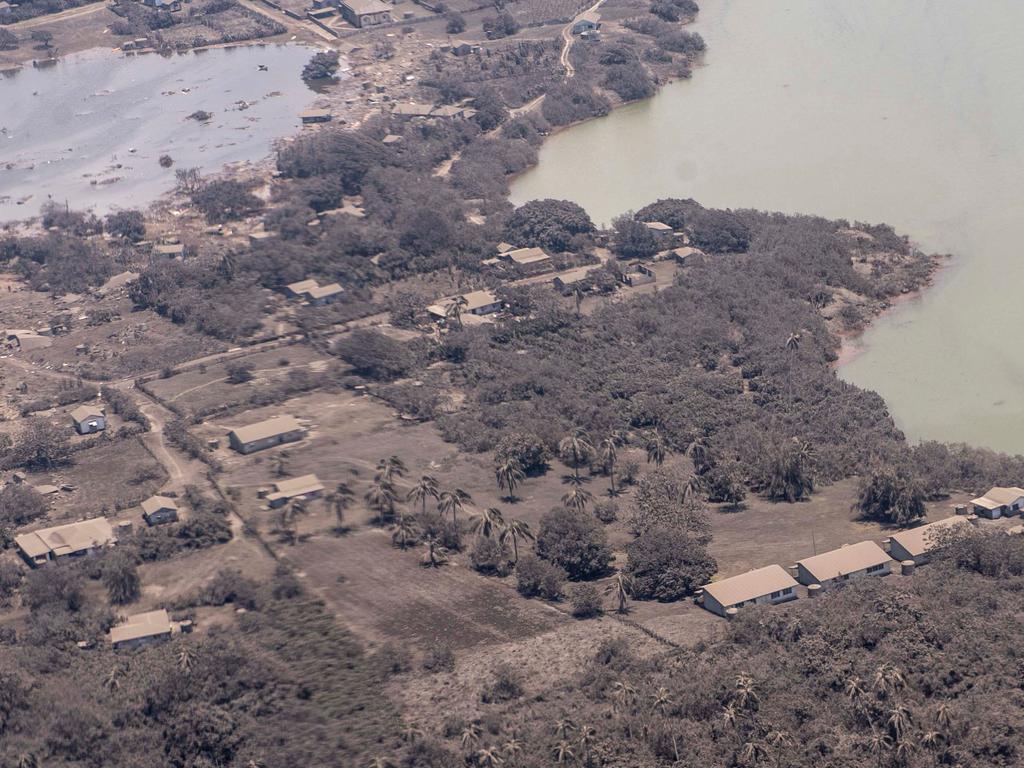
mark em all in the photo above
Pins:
pixel 5 8
pixel 917 544
pixel 305 487
pixel 504 247
pixel 316 116
pixel 158 510
pixel 462 48
pixel 686 255
pixel 528 261
pixel 638 274
pixel 998 502
pixel 314 293
pixel 566 282
pixel 660 230
pixel 365 13
pixel 850 562
pixel 25 341
pixel 477 303
pixel 169 251
pixel 588 22
pixel 141 629
pixel 89 419
pixel 412 110
pixel 163 5
pixel 764 586
pixel 392 138
pixel 266 434
pixel 70 540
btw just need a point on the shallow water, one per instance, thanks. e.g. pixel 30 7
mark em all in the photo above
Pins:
pixel 909 113
pixel 107 118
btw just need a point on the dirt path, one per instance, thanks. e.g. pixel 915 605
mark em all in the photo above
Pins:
pixel 72 13
pixel 568 40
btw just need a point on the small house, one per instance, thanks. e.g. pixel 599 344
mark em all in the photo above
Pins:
pixel 391 139
pixel 588 22
pixel 266 434
pixel 25 341
pixel 260 236
pixel 566 282
pixel 305 487
pixel 638 274
pixel 6 9
pixel 159 510
pixel 660 230
pixel 89 419
pixel 316 116
pixel 47 545
pixel 840 565
pixel 313 292
pixel 918 544
pixel 365 13
pixel 462 48
pixel 141 629
pixel 412 111
pixel 477 303
pixel 764 586
pixel 686 255
pixel 999 502
pixel 163 5
pixel 528 261
pixel 169 251
pixel 504 248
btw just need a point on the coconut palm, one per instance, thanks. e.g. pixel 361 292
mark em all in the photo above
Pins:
pixel 562 753
pixel 578 498
pixel 730 715
pixel 28 760
pixel 933 739
pixel 662 700
pixel 576 451
pixel 905 748
pixel 513 531
pixel 578 293
pixel 698 452
pixel 743 695
pixel 454 310
pixel 405 532
pixel 888 680
pixel 489 757
pixel 564 728
pixel 411 734
pixel 338 501
pixel 753 752
pixel 793 346
pixel 488 522
pixel 381 497
pixel 587 737
pixel 944 715
pixel 899 721
pixel 470 736
pixel 433 555
pixel 508 475
pixel 391 468
pixel 854 688
pixel 512 749
pixel 878 744
pixel 657 448
pixel 112 682
pixel 608 453
pixel 454 501
pixel 623 696
pixel 426 487
pixel 186 659
pixel 621 587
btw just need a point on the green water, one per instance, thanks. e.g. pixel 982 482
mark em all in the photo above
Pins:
pixel 909 113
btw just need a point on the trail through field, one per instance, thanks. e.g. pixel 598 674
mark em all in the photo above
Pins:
pixel 569 40
pixel 72 13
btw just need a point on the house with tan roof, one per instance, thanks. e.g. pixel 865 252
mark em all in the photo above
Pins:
pixel 763 586
pixel 566 282
pixel 158 510
pixel 47 545
pixel 266 434
pixel 88 419
pixel 310 290
pixel 304 487
pixel 527 261
pixel 853 561
pixel 477 303
pixel 998 502
pixel 918 544
pixel 142 629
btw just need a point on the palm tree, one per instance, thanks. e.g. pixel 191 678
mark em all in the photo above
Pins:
pixel 744 695
pixel 186 658
pixel 453 501
pixel 381 497
pixel 405 532
pixel 854 688
pixel 586 739
pixel 564 728
pixel 425 488
pixel 390 468
pixel 576 451
pixel 899 721
pixel 380 762
pixel 698 452
pixel 338 501
pixel 433 556
pixel 623 695
pixel 621 587
pixel 944 715
pixel 470 736
pixel 888 679
pixel 513 531
pixel 609 454
pixel 509 474
pixel 411 733
pixel 657 449
pixel 512 749
pixel 730 716
pixel 28 760
pixel 905 747
pixel 489 757
pixel 932 739
pixel 454 310
pixel 488 522
pixel 878 744
pixel 753 752
pixel 562 753
pixel 578 498
pixel 113 679
pixel 662 699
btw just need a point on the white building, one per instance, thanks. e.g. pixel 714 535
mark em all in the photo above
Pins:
pixel 999 502
pixel 853 561
pixel 763 586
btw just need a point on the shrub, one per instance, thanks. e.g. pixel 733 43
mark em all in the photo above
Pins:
pixel 439 660
pixel 322 66
pixel 575 542
pixel 506 685
pixel 719 232
pixel 230 587
pixel 488 556
pixel 667 564
pixel 632 239
pixel 20 505
pixel 456 23
pixel 890 495
pixel 524 447
pixel 550 224
pixel 121 578
pixel 376 356
pixel 539 578
pixel 502 25
pixel 606 510
pixel 586 601
pixel 239 372
pixel 225 200
pixel 129 224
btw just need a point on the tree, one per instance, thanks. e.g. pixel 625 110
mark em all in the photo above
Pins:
pixel 608 454
pixel 390 468
pixel 338 501
pixel 488 522
pixel 8 40
pixel 719 232
pixel 663 499
pixel 20 505
pixel 188 180
pixel 508 475
pixel 454 310
pixel 539 578
pixel 129 224
pixel 578 498
pixel 621 588
pixel 322 66
pixel 890 495
pixel 121 578
pixel 456 23
pixel 514 531
pixel 788 471
pixel 586 602
pixel 426 487
pixel 632 239
pixel 374 355
pixel 528 450
pixel 381 497
pixel 42 36
pixel 453 500
pixel 41 445
pixel 657 448
pixel 405 533
pixel 225 200
pixel 667 563
pixel 793 347
pixel 576 451
pixel 550 224
pixel 575 542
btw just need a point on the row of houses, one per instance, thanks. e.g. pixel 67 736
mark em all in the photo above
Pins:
pixel 774 584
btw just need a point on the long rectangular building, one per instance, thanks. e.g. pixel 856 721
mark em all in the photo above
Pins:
pixel 918 544
pixel 266 434
pixel 763 586
pixel 70 540
pixel 864 558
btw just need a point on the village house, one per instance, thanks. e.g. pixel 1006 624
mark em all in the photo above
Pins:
pixel 527 261
pixel 392 138
pixel 6 9
pixel 918 544
pixel 365 13
pixel 142 629
pixel 999 502
pixel 412 111
pixel 89 419
pixel 305 487
pixel 69 540
pixel 588 22
pixel 158 510
pixel 169 251
pixel 462 48
pixel 477 303
pixel 566 282
pixel 840 565
pixel 763 586
pixel 686 255
pixel 638 274
pixel 660 230
pixel 316 116
pixel 504 247
pixel 25 341
pixel 266 434
pixel 163 5
pixel 314 293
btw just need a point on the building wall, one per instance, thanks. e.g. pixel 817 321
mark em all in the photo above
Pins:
pixel 806 578
pixel 897 552
pixel 161 517
pixel 269 442
pixel 85 429
pixel 716 607
pixel 141 641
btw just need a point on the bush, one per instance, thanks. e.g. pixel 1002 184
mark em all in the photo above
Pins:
pixel 575 542
pixel 667 563
pixel 719 232
pixel 129 224
pixel 632 239
pixel 456 23
pixel 891 496
pixel 322 66
pixel 489 557
pixel 239 372
pixel 225 200
pixel 662 501
pixel 375 356
pixel 606 510
pixel 506 685
pixel 572 102
pixel 439 660
pixel 539 578
pixel 502 25
pixel 586 601
pixel 524 447
pixel 121 578
pixel 20 505
pixel 550 224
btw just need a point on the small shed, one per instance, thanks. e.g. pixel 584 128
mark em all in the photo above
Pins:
pixel 316 116
pixel 588 22
pixel 88 419
pixel 142 629
pixel 304 487
pixel 159 510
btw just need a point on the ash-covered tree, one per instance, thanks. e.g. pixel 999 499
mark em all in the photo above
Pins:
pixel 673 211
pixel 322 66
pixel 719 232
pixel 788 471
pixel 41 445
pixel 632 239
pixel 225 200
pixel 20 505
pixel 665 498
pixel 575 542
pixel 129 224
pixel 891 495
pixel 376 356
pixel 121 578
pixel 667 563
pixel 455 23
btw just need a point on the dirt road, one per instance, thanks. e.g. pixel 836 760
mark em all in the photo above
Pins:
pixel 72 13
pixel 568 40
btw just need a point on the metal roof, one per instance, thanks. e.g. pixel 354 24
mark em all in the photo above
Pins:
pixel 845 560
pixel 749 585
